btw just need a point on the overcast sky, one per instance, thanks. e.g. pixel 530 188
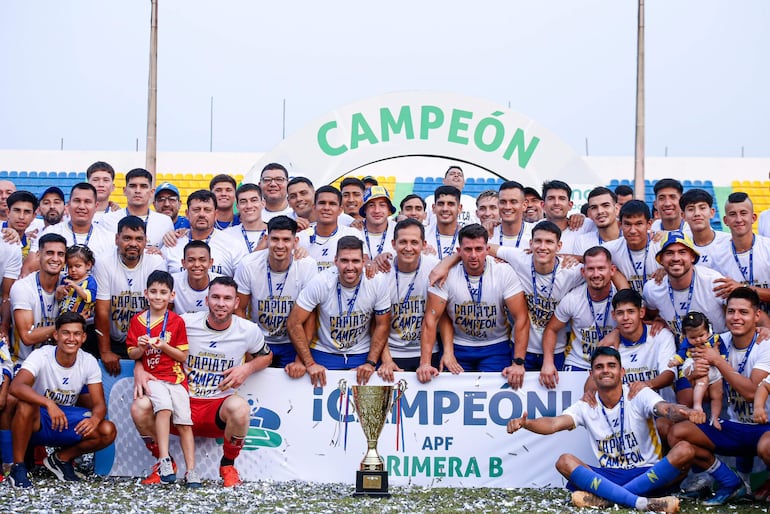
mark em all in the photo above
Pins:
pixel 78 69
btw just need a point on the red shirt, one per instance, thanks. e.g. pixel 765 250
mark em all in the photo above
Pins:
pixel 155 361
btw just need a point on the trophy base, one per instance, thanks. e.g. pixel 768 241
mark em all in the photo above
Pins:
pixel 372 483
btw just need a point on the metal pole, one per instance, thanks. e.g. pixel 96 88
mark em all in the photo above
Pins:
pixel 283 134
pixel 639 148
pixel 211 126
pixel 152 93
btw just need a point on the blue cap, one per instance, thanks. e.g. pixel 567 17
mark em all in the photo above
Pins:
pixel 376 192
pixel 166 186
pixel 52 190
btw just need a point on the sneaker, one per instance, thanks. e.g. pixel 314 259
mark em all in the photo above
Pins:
pixel 723 496
pixel 586 499
pixel 64 471
pixel 18 476
pixel 230 476
pixel 763 492
pixel 663 504
pixel 166 471
pixel 84 465
pixel 154 476
pixel 697 485
pixel 192 479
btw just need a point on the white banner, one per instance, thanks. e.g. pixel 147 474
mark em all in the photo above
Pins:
pixel 453 433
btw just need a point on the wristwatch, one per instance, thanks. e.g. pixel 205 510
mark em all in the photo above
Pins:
pixel 371 363
pixel 518 361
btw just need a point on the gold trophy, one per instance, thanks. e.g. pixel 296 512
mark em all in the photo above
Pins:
pixel 373 403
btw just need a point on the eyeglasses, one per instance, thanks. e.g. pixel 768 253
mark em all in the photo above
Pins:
pixel 277 180
pixel 167 199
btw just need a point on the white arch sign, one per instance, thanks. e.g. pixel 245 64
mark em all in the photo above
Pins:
pixel 427 123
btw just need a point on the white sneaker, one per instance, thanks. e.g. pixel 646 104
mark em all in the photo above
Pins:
pixel 192 479
pixel 166 471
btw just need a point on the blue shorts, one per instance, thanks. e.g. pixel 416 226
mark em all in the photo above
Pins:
pixel 47 436
pixel 338 360
pixel 617 476
pixel 412 363
pixel 735 438
pixel 493 357
pixel 572 367
pixel 534 361
pixel 283 354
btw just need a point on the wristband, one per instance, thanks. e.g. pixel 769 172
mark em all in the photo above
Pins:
pixel 371 363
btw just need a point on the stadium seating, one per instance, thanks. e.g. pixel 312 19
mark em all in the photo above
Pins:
pixel 649 194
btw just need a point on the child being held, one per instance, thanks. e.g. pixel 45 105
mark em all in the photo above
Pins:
pixel 158 337
pixel 696 328
pixel 77 293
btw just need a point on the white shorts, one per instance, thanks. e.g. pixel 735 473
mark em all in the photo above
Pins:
pixel 714 374
pixel 173 397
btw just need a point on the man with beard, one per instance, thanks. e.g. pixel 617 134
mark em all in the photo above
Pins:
pixel 51 206
pixel 226 251
pixel 534 211
pixel 455 177
pixel 121 279
pixel 167 202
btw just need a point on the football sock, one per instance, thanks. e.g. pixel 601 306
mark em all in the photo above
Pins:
pixel 587 480
pixel 659 475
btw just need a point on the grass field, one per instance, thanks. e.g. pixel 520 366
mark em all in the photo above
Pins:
pixel 127 496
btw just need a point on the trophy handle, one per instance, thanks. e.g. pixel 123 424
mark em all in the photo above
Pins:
pixel 400 388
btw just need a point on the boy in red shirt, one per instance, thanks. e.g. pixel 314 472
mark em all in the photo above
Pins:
pixel 158 337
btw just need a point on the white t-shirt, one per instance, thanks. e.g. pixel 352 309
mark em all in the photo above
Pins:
pixel 657 226
pixel 445 245
pixel 270 311
pixel 585 325
pixel 465 217
pixel 249 238
pixel 704 300
pixel 649 357
pixel 188 299
pixel 26 296
pixel 588 240
pixel 542 306
pixel 406 314
pixel 10 260
pixel 377 243
pixel 636 265
pixel 520 240
pixel 268 215
pixel 483 322
pixel 707 252
pixel 157 225
pixel 226 252
pixel 739 409
pixel 60 384
pixel 621 437
pixel 344 317
pixel 124 288
pixel 754 265
pixel 763 224
pixel 212 352
pixel 323 249
pixel 100 241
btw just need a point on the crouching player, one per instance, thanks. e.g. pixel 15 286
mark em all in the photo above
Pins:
pixel 158 337
pixel 623 439
pixel 48 387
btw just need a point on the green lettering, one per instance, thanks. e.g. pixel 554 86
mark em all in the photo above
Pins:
pixel 404 122
pixel 495 467
pixel 431 117
pixel 393 466
pixel 473 468
pixel 454 467
pixel 481 129
pixel 323 142
pixel 456 124
pixel 419 466
pixel 438 466
pixel 517 143
pixel 360 131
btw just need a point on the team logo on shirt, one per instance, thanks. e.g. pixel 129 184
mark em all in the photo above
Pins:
pixel 347 330
pixel 406 319
pixel 475 319
pixel 272 314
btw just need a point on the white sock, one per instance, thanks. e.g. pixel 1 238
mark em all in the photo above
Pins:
pixel 641 503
